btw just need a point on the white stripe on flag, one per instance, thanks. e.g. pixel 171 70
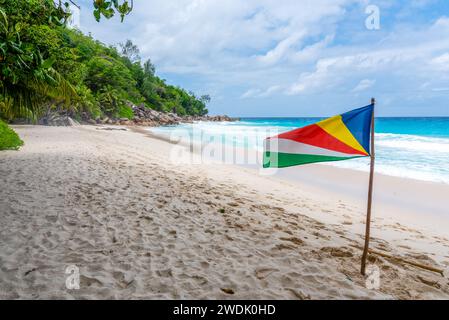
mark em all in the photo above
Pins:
pixel 290 146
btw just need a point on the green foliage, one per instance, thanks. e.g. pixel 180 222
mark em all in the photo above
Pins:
pixel 9 140
pixel 106 73
pixel 149 69
pixel 110 101
pixel 126 112
pixel 130 51
pixel 106 8
pixel 6 110
pixel 28 79
pixel 45 65
pixel 87 103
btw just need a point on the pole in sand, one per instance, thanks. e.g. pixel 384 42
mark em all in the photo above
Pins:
pixel 370 194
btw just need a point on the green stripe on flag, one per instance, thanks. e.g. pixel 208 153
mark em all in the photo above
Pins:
pixel 281 160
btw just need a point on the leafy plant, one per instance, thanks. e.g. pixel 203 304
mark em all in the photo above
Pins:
pixel 126 112
pixel 45 65
pixel 27 79
pixel 9 140
pixel 106 8
pixel 130 51
pixel 87 103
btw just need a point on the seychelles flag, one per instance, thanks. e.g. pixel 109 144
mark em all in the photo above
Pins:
pixel 341 137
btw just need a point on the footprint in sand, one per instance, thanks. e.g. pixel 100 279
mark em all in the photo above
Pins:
pixel 87 281
pixel 294 240
pixel 262 273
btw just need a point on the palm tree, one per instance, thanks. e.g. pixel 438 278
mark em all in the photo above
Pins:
pixel 27 81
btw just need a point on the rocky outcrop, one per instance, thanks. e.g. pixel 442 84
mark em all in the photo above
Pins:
pixel 144 116
pixel 57 120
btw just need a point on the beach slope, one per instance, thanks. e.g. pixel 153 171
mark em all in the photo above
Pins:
pixel 111 203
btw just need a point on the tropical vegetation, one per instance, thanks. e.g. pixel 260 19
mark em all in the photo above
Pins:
pixel 45 65
pixel 9 140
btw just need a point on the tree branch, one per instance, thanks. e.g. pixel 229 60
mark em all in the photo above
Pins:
pixel 76 5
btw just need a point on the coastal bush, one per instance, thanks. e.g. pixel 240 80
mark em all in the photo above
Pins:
pixel 87 103
pixel 126 112
pixel 9 140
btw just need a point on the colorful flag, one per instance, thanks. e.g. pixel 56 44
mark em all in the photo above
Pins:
pixel 341 137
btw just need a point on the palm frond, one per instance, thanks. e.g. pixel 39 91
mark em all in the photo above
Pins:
pixel 30 98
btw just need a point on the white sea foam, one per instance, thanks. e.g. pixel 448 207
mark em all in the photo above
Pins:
pixel 413 142
pixel 403 155
pixel 410 156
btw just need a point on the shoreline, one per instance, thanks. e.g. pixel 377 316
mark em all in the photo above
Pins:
pixel 414 156
pixel 140 226
pixel 390 192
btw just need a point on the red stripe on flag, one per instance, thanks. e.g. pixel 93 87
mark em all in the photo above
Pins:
pixel 316 136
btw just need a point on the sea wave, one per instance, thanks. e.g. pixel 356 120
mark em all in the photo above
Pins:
pixel 403 155
pixel 412 142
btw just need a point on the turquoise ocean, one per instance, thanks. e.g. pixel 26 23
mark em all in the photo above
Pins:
pixel 416 148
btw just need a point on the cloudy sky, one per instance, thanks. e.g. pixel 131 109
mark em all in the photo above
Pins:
pixel 294 57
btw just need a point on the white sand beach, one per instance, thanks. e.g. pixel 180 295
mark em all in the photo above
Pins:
pixel 140 227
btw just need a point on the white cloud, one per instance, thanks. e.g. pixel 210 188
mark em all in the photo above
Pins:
pixel 251 93
pixel 440 89
pixel 259 93
pixel 271 90
pixel 312 80
pixel 281 48
pixel 261 48
pixel 363 85
pixel 401 56
pixel 441 62
pixel 312 52
pixel 211 37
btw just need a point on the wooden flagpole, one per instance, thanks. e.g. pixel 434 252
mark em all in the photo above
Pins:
pixel 370 194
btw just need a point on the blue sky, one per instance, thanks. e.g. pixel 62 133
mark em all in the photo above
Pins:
pixel 294 57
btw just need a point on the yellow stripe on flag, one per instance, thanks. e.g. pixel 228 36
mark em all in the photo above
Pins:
pixel 335 127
